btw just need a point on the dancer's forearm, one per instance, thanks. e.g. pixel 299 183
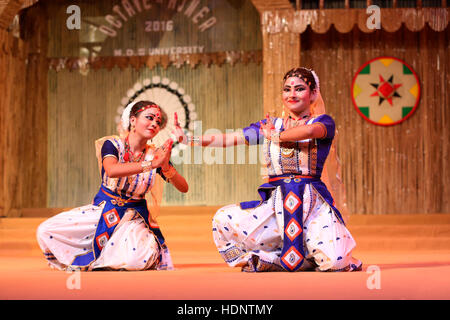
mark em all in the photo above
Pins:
pixel 115 169
pixel 314 131
pixel 220 140
pixel 172 176
pixel 179 182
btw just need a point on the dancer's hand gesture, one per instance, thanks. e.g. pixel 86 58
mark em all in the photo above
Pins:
pixel 178 132
pixel 162 155
pixel 168 151
pixel 267 128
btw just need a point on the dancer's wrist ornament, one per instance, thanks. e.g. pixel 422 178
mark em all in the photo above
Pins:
pixel 194 141
pixel 170 172
pixel 275 136
pixel 146 166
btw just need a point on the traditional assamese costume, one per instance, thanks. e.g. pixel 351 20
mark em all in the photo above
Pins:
pixel 118 231
pixel 295 225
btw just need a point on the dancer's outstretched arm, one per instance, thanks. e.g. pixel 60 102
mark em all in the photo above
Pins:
pixel 219 140
pixel 210 140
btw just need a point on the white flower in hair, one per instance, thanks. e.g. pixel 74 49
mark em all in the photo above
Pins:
pixel 316 91
pixel 126 115
pixel 316 79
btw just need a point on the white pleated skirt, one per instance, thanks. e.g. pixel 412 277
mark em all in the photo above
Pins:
pixel 132 246
pixel 241 235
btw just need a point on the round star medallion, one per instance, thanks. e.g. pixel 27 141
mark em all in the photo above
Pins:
pixel 385 91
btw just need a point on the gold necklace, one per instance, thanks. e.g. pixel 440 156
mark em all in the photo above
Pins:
pixel 287 152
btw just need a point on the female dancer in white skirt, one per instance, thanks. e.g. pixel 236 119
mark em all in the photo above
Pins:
pixel 116 231
pixel 295 226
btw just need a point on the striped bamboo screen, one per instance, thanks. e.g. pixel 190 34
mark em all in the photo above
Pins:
pixel 399 169
pixel 83 109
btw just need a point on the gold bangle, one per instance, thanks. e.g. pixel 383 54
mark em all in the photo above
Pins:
pixel 169 173
pixel 146 166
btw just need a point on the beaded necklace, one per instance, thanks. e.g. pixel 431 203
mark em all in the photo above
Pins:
pixel 129 155
pixel 290 122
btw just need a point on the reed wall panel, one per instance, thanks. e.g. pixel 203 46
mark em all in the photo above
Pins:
pixel 83 109
pixel 278 59
pixel 397 169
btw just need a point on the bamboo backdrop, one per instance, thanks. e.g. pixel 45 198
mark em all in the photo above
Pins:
pixel 398 169
pixel 83 109
pixel 226 97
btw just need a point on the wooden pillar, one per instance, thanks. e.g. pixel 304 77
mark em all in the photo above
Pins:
pixel 12 97
pixel 23 115
pixel 34 145
pixel 8 9
pixel 281 52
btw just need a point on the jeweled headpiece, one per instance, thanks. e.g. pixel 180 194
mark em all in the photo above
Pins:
pixel 148 106
pixel 125 120
pixel 305 75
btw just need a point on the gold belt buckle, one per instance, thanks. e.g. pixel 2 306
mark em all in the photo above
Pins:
pixel 287 152
pixel 118 201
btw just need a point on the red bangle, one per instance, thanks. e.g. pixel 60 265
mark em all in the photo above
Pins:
pixel 169 173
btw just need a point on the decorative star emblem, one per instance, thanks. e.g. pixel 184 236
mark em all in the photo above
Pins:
pixel 386 90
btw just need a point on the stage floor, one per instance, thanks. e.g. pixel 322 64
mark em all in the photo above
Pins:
pixel 403 259
pixel 407 275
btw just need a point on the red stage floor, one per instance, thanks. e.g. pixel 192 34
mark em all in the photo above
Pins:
pixel 406 260
pixel 407 275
